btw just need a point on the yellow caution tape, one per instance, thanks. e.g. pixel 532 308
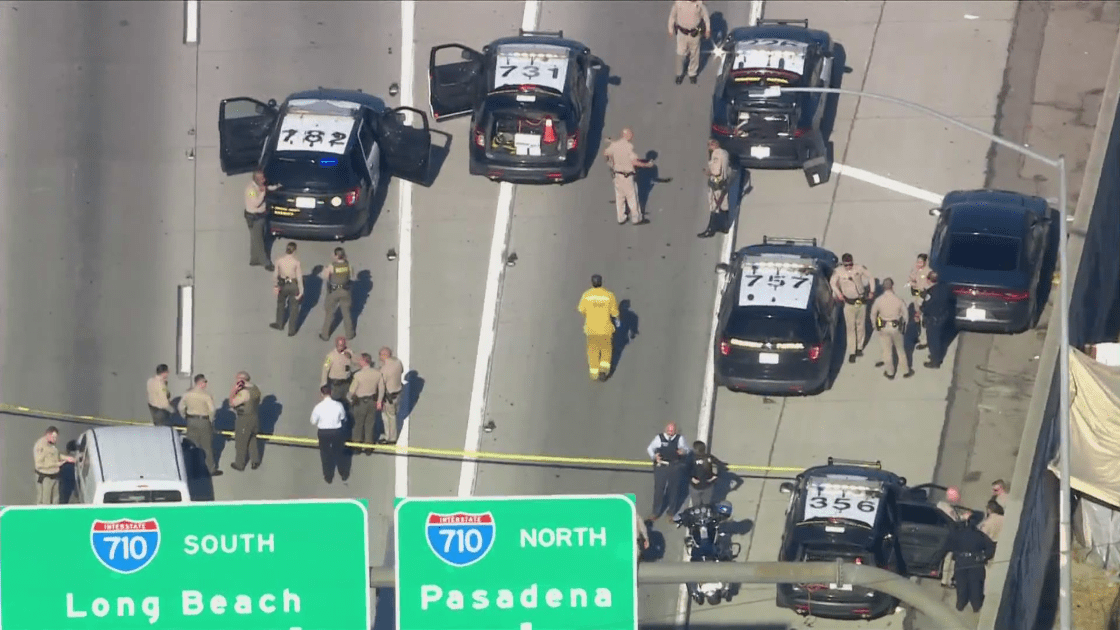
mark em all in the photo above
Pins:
pixel 392 449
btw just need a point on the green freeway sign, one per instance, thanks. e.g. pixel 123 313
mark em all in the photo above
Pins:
pixel 517 563
pixel 235 566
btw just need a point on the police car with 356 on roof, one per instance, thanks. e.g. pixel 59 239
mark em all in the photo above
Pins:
pixel 531 99
pixel 776 333
pixel 854 511
pixel 326 150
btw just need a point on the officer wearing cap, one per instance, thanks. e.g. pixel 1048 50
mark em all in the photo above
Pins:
pixel 366 391
pixel 689 21
pixel 624 162
pixel 338 368
pixel 289 290
pixel 159 398
pixel 704 471
pixel 599 308
pixel 852 284
pixel 48 467
pixel 888 313
pixel 718 171
pixel 245 398
pixel 919 284
pixel 256 216
pixel 337 277
pixel 197 408
pixel 971 551
pixel 937 313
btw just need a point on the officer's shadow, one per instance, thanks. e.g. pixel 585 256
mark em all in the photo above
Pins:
pixel 625 333
pixel 645 180
pixel 715 36
pixel 312 288
pixel 359 295
pixel 269 411
pixel 224 419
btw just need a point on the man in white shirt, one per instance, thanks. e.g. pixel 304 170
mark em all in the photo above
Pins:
pixel 329 416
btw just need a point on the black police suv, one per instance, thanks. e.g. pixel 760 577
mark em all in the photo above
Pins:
pixel 777 318
pixel 990 246
pixel 326 150
pixel 857 512
pixel 760 125
pixel 530 99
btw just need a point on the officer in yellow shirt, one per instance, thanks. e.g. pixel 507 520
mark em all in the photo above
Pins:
pixel 600 311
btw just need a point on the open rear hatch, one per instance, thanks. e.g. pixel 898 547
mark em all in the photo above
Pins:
pixel 525 136
pixel 765 120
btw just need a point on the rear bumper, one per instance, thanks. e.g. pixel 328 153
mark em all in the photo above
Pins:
pixel 783 153
pixel 558 172
pixel 821 605
pixel 332 231
pixel 748 380
pixel 1001 317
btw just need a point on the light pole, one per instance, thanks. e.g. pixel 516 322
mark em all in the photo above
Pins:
pixel 1065 617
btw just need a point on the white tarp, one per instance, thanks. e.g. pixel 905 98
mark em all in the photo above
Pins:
pixel 1094 429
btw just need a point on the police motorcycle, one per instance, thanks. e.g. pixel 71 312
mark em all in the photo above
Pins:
pixel 706 542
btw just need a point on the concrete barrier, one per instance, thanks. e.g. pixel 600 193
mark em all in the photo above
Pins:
pixel 1022 580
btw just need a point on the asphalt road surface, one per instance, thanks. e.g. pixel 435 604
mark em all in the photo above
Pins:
pixel 106 213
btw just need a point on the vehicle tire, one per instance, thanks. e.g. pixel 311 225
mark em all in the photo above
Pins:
pixel 715 598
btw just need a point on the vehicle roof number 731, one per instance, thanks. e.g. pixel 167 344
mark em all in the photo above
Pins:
pixel 515 68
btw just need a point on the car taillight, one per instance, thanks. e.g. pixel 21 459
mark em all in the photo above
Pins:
pixel 999 294
pixel 797 133
pixel 815 352
pixel 352 197
pixel 724 348
pixel 721 130
pixel 479 138
pixel 573 140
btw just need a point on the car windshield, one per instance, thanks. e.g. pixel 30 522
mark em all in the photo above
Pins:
pixel 312 171
pixel 830 553
pixel 983 252
pixel 777 325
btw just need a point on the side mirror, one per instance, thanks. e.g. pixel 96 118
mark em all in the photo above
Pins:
pixel 935 212
pixel 596 64
pixel 467 55
pixel 272 102
pixel 786 487
pixel 723 268
pixel 902 480
pixel 827 54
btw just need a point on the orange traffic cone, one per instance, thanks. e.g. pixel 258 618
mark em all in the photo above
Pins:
pixel 549 132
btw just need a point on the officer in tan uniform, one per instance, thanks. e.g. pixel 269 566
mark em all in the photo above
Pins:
pixel 337 279
pixel 197 408
pixel 289 290
pixel 690 22
pixel 256 216
pixel 718 171
pixel 159 398
pixel 889 315
pixel 919 284
pixel 337 369
pixel 392 371
pixel 367 389
pixel 245 399
pixel 852 284
pixel 48 464
pixel 623 161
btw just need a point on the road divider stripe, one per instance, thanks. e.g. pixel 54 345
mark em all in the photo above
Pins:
pixel 190 21
pixel 887 183
pixel 184 349
pixel 404 243
pixel 398 449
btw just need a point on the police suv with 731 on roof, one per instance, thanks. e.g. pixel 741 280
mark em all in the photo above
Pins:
pixel 323 153
pixel 776 333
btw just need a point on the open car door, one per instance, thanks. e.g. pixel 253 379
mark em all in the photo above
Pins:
pixel 923 535
pixel 455 88
pixel 406 148
pixel 244 125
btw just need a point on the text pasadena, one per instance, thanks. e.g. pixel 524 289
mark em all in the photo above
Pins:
pixel 194 604
pixel 529 598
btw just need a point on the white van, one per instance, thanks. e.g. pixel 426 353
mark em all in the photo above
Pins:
pixel 131 465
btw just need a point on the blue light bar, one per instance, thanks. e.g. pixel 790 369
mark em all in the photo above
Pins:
pixel 328 161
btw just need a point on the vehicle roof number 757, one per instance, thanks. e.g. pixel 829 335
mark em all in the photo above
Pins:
pixel 522 67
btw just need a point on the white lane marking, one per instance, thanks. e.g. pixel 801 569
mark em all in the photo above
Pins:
pixel 186 330
pixel 404 256
pixel 886 182
pixel 190 21
pixel 708 389
pixel 495 279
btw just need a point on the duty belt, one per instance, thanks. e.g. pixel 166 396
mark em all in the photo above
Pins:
pixel 254 215
pixel 370 397
pixel 196 417
pixel 335 287
pixel 915 292
pixel 43 476
pixel 630 174
pixel 339 380
pixel 693 32
pixel 286 280
pixel 853 300
pixel 391 396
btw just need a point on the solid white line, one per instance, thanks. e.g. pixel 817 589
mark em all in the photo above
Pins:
pixel 488 330
pixel 886 182
pixel 186 329
pixel 708 388
pixel 404 256
pixel 190 26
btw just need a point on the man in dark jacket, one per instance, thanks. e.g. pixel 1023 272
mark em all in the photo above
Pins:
pixel 939 310
pixel 971 551
pixel 704 471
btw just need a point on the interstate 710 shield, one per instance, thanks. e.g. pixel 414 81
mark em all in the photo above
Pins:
pixel 125 545
pixel 460 539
